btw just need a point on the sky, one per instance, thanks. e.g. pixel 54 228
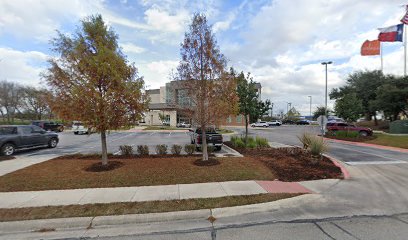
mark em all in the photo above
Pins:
pixel 280 42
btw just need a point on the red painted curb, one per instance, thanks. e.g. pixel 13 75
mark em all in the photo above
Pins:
pixel 344 171
pixel 403 150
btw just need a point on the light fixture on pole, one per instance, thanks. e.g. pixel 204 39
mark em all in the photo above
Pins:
pixel 325 94
pixel 310 113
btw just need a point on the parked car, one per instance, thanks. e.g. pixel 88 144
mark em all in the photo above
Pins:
pixel 213 138
pixel 288 121
pixel 166 123
pixel 183 125
pixel 49 126
pixel 334 127
pixel 260 124
pixel 303 122
pixel 25 136
pixel 274 123
pixel 79 128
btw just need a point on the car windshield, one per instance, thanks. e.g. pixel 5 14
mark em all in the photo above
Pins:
pixel 8 130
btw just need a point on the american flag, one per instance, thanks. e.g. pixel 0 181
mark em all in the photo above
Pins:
pixel 404 20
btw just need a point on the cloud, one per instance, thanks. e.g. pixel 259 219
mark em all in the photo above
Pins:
pixel 156 73
pixel 132 48
pixel 21 67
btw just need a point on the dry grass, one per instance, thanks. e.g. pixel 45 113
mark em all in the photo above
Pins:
pixel 390 140
pixel 70 174
pixel 91 210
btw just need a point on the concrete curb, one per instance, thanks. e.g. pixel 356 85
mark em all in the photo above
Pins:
pixel 90 222
pixel 232 151
pixel 345 172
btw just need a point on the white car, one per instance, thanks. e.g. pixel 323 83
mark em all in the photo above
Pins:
pixel 274 123
pixel 260 124
pixel 79 128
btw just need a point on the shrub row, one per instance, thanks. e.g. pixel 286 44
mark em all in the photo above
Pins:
pixel 161 149
pixel 257 142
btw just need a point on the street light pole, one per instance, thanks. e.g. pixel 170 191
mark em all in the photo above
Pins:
pixel 325 94
pixel 310 98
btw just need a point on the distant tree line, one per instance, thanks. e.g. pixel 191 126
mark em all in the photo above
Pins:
pixel 23 102
pixel 368 92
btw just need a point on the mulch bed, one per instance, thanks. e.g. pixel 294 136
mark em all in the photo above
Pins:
pixel 356 139
pixel 98 167
pixel 210 162
pixel 293 164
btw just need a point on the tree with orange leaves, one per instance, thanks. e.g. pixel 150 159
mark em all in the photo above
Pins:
pixel 92 81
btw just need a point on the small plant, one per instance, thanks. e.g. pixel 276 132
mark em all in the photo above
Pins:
pixel 143 150
pixel 176 149
pixel 239 143
pixel 161 149
pixel 210 149
pixel 261 142
pixel 305 139
pixel 317 147
pixel 251 144
pixel 126 150
pixel 189 148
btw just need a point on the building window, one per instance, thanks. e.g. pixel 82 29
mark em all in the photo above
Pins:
pixel 229 119
pixel 239 118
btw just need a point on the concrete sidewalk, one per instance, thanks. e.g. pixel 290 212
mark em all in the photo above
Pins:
pixel 8 166
pixel 145 193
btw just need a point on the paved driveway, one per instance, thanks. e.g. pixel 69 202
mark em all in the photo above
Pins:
pixel 347 153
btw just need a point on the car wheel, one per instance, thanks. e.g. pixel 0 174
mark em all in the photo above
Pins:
pixel 363 133
pixel 218 148
pixel 8 149
pixel 52 143
pixel 76 133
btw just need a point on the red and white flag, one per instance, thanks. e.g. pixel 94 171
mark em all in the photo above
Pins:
pixel 404 19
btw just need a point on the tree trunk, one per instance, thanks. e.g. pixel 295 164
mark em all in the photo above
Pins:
pixel 204 143
pixel 104 148
pixel 375 119
pixel 246 129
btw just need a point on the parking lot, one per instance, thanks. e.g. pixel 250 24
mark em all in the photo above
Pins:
pixel 85 144
pixel 353 155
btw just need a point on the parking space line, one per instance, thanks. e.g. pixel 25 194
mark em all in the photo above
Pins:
pixel 152 133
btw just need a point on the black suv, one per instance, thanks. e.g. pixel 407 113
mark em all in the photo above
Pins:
pixel 25 136
pixel 49 126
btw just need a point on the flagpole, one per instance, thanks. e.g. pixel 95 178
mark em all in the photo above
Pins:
pixel 405 51
pixel 381 56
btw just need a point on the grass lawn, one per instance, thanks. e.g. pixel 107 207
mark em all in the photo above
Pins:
pixel 91 210
pixel 389 140
pixel 69 173
pixel 163 128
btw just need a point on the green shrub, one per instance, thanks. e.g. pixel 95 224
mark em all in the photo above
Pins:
pixel 261 142
pixel 239 143
pixel 317 146
pixel 251 144
pixel 305 139
pixel 126 150
pixel 189 148
pixel 346 134
pixel 143 150
pixel 210 149
pixel 161 149
pixel 176 149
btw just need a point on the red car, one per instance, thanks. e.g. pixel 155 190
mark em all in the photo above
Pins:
pixel 333 127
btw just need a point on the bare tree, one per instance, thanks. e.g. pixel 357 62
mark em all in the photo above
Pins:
pixel 36 102
pixel 210 89
pixel 11 99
